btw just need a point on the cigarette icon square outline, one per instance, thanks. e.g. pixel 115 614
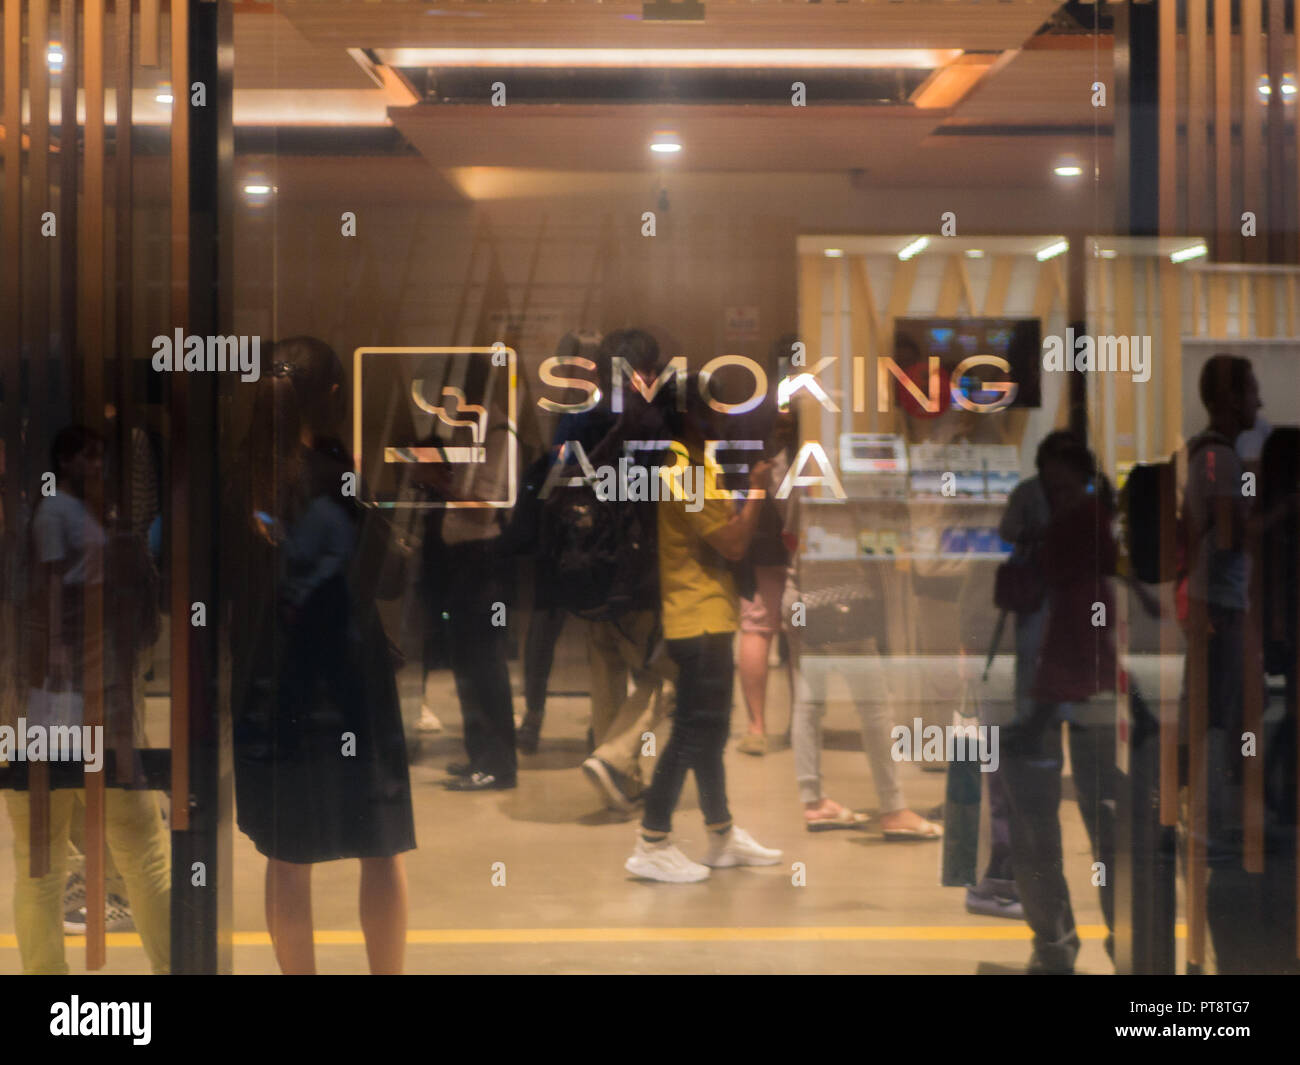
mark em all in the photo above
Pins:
pixel 451 409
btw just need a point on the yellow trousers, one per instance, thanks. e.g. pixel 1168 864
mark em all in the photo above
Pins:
pixel 137 840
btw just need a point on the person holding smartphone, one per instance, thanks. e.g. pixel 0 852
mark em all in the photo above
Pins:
pixel 700 533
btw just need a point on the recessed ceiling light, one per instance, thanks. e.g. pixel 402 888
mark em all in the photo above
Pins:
pixel 1068 170
pixel 1052 250
pixel 665 147
pixel 1194 251
pixel 164 97
pixel 54 55
pixel 834 253
pixel 258 189
pixel 974 253
pixel 1108 253
pixel 912 249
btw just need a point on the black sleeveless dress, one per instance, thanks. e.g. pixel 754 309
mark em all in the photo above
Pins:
pixel 319 752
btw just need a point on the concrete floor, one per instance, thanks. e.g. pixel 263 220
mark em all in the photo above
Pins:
pixel 868 906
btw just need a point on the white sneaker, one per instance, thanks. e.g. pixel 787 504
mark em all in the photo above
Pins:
pixel 738 847
pixel 663 861
pixel 428 720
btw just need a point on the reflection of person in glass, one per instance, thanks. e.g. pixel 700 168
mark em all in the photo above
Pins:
pixel 320 758
pixel 71 552
pixel 1074 681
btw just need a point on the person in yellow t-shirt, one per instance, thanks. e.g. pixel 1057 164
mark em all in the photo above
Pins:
pixel 700 532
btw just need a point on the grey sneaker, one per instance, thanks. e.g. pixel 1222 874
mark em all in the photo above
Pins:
pixel 618 790
pixel 117 911
pixel 994 906
pixel 117 915
pixel 74 905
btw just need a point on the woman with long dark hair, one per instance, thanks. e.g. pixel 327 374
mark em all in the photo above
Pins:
pixel 320 757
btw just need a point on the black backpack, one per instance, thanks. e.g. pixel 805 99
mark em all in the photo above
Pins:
pixel 1144 511
pixel 601 556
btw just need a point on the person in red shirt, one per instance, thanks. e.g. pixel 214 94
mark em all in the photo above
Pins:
pixel 1074 682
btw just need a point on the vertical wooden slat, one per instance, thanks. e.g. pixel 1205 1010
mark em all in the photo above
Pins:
pixel 1145 405
pixel 1168 116
pixel 1197 716
pixel 995 296
pixel 1168 646
pixel 948 304
pixel 1169 352
pixel 1265 310
pixel 862 311
pixel 1296 67
pixel 1252 704
pixel 1252 158
pixel 1046 290
pixel 123 22
pixel 68 213
pixel 1197 283
pixel 1198 93
pixel 11 306
pixel 1228 244
pixel 1119 412
pixel 149 23
pixel 36 305
pixel 179 480
pixel 38 172
pixel 1276 159
pixel 92 301
pixel 1218 324
pixel 11 352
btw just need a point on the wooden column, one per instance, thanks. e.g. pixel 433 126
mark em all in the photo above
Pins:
pixel 92 301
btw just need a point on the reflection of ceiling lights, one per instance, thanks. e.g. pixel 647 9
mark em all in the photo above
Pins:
pixel 258 190
pixel 1068 170
pixel 1265 89
pixel 666 143
pixel 916 246
pixel 54 56
pixel 1194 251
pixel 689 58
pixel 1108 253
pixel 834 253
pixel 164 94
pixel 974 253
pixel 1052 250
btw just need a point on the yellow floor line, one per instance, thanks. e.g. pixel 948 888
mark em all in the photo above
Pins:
pixel 445 936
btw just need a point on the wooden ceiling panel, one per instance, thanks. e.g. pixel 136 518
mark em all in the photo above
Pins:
pixel 736 24
pixel 271 54
pixel 1040 88
pixel 614 138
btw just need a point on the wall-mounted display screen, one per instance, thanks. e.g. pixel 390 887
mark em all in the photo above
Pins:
pixel 953 340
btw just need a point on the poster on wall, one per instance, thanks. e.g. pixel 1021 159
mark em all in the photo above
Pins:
pixel 740 325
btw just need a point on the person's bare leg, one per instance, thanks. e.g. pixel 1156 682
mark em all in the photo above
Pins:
pixel 383 913
pixel 288 916
pixel 754 647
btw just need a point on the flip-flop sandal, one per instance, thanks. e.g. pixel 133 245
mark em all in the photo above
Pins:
pixel 844 819
pixel 929 831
